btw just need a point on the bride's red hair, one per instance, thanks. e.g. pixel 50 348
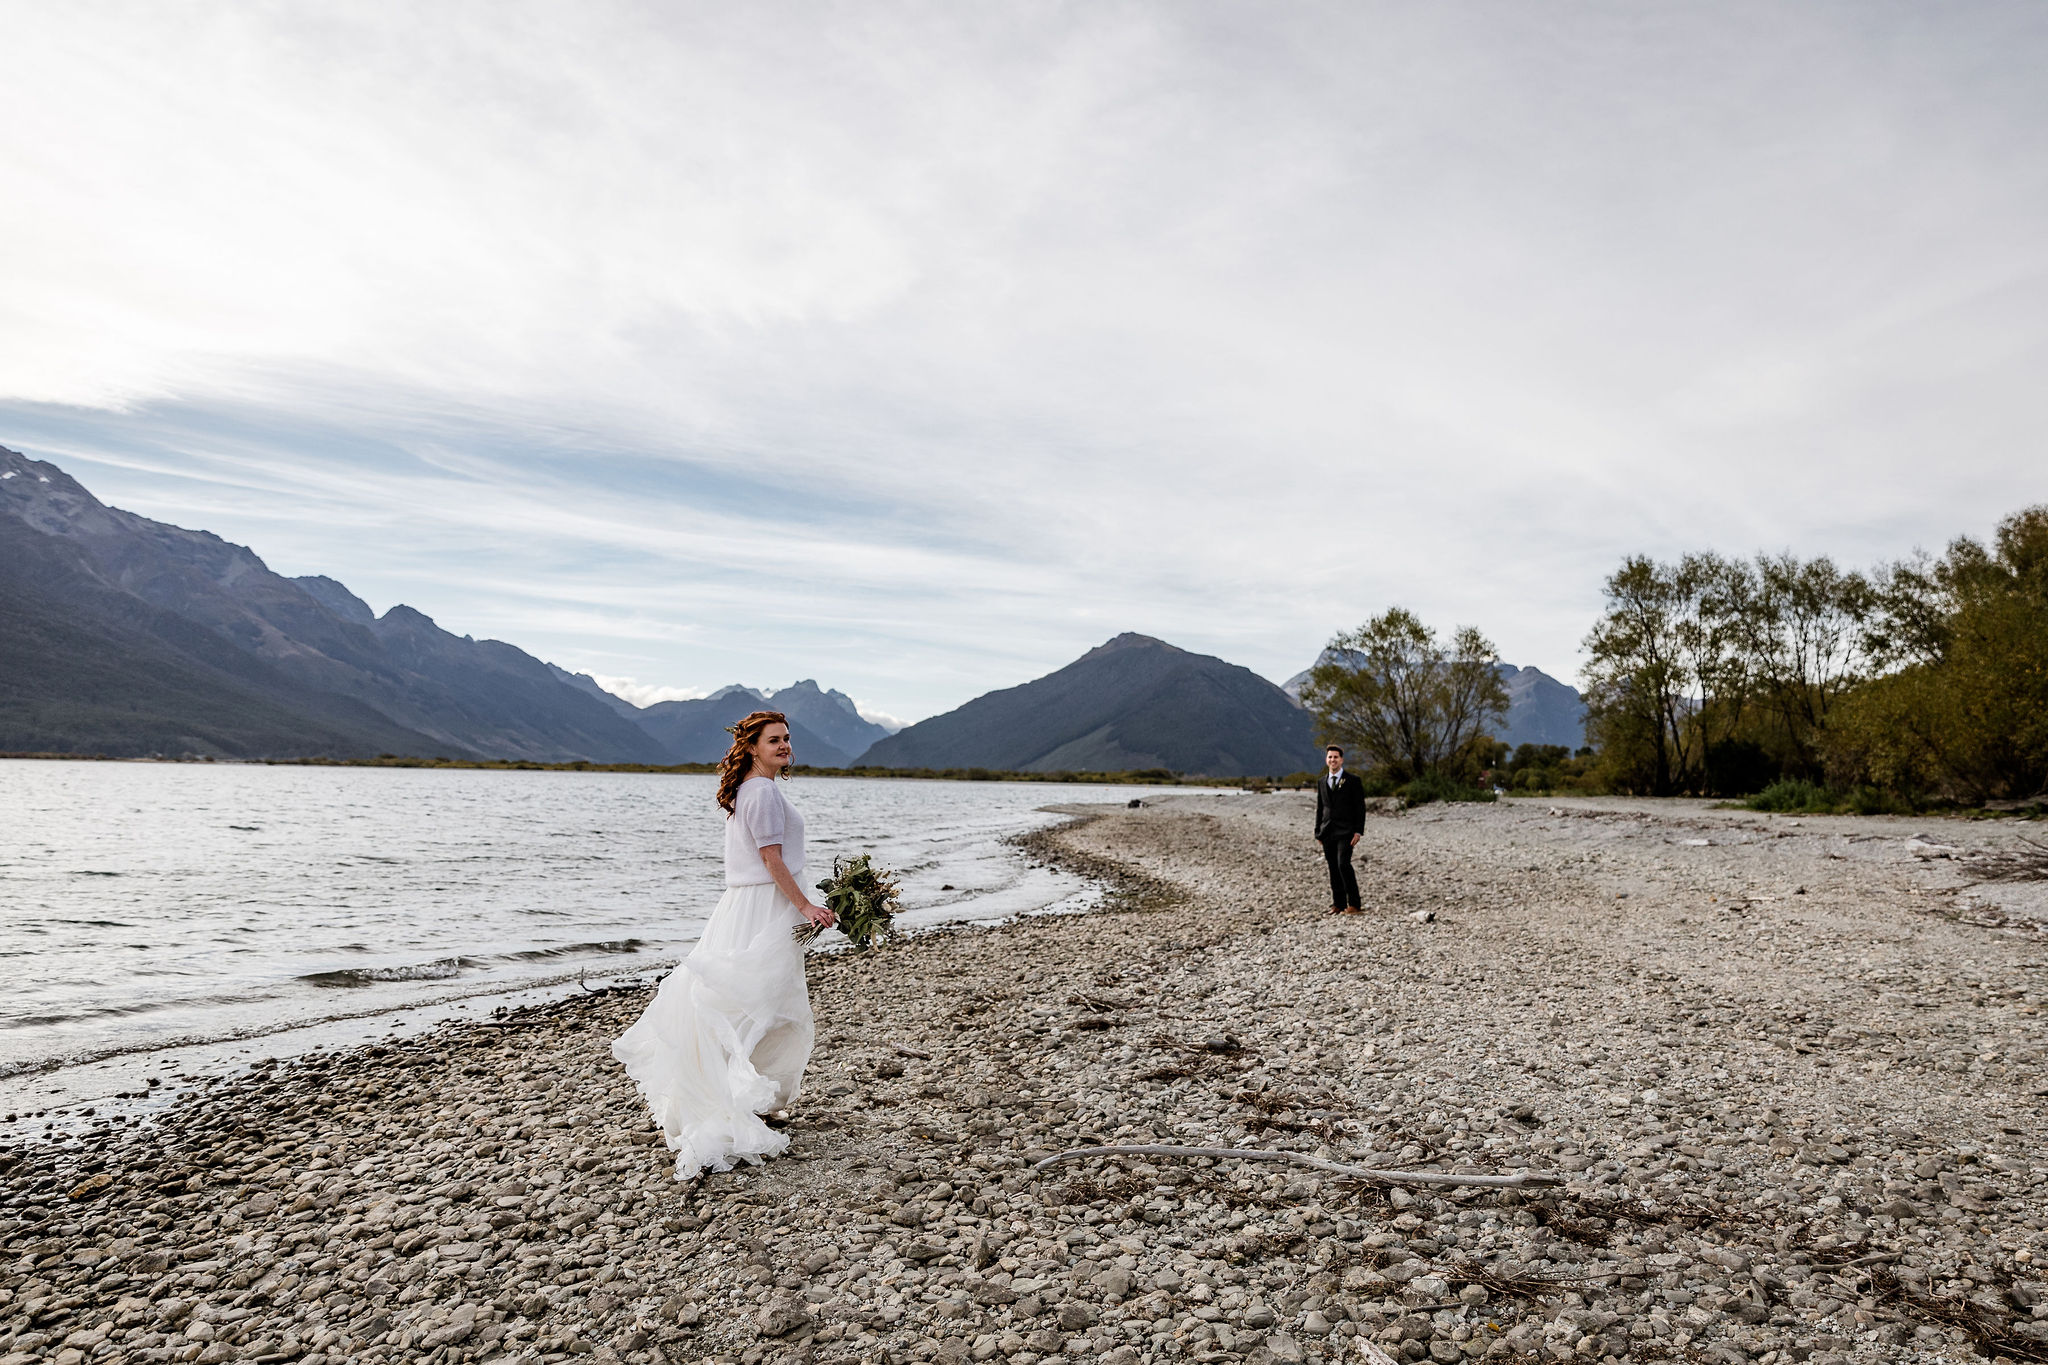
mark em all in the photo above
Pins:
pixel 739 759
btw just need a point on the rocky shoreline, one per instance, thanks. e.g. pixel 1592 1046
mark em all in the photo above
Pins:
pixel 1791 1070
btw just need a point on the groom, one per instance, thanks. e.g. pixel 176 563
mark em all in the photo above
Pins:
pixel 1340 822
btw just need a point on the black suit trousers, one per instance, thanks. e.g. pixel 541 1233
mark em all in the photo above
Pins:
pixel 1343 880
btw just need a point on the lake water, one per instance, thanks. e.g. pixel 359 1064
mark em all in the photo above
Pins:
pixel 145 906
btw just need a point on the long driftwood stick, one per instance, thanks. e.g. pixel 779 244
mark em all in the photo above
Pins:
pixel 1504 1182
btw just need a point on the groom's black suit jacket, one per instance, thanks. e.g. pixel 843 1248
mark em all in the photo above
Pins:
pixel 1340 811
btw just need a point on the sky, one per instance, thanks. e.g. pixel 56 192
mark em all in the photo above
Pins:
pixel 919 348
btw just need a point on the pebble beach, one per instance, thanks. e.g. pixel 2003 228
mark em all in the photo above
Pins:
pixel 1789 1073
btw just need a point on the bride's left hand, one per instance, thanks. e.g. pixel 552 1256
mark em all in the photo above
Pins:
pixel 818 915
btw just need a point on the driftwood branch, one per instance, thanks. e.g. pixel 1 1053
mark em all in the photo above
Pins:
pixel 904 1050
pixel 2029 864
pixel 1519 1180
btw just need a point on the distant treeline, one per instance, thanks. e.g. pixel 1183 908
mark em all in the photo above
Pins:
pixel 1795 682
pixel 1919 682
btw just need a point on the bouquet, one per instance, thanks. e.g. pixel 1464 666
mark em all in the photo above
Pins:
pixel 862 899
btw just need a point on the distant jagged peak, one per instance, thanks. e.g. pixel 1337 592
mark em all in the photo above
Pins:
pixel 51 501
pixel 740 689
pixel 810 687
pixel 337 599
pixel 1528 674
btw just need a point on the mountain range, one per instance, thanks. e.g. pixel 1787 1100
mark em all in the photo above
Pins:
pixel 826 729
pixel 129 636
pixel 126 636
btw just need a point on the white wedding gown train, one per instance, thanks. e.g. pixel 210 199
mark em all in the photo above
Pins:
pixel 727 1037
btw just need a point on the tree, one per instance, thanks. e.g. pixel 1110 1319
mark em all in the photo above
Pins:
pixel 1965 712
pixel 1411 705
pixel 1800 641
pixel 1716 674
pixel 1662 673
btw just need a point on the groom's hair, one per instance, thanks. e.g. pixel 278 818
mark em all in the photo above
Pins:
pixel 1336 749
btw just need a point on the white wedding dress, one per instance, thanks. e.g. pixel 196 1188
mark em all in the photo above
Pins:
pixel 727 1037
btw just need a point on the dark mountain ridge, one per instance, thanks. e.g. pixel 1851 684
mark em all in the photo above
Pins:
pixel 87 668
pixel 1131 703
pixel 123 620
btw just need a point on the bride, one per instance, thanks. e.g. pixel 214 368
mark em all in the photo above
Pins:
pixel 725 1040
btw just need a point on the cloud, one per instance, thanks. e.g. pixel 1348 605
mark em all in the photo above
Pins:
pixel 918 348
pixel 645 694
pixel 882 718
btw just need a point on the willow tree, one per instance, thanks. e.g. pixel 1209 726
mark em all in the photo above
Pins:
pixel 1406 702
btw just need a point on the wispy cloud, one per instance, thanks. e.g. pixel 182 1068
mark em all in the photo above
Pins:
pixel 918 347
pixel 646 694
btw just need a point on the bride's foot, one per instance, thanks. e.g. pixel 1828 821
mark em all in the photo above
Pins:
pixel 776 1118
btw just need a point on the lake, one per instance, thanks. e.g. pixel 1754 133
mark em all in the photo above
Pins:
pixel 150 905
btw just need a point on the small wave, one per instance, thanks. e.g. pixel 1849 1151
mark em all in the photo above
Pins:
pixel 617 945
pixel 285 1026
pixel 119 1011
pixel 247 829
pixel 87 872
pixel 439 970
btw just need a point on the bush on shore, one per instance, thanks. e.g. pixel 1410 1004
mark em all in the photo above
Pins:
pixel 1797 796
pixel 1437 787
